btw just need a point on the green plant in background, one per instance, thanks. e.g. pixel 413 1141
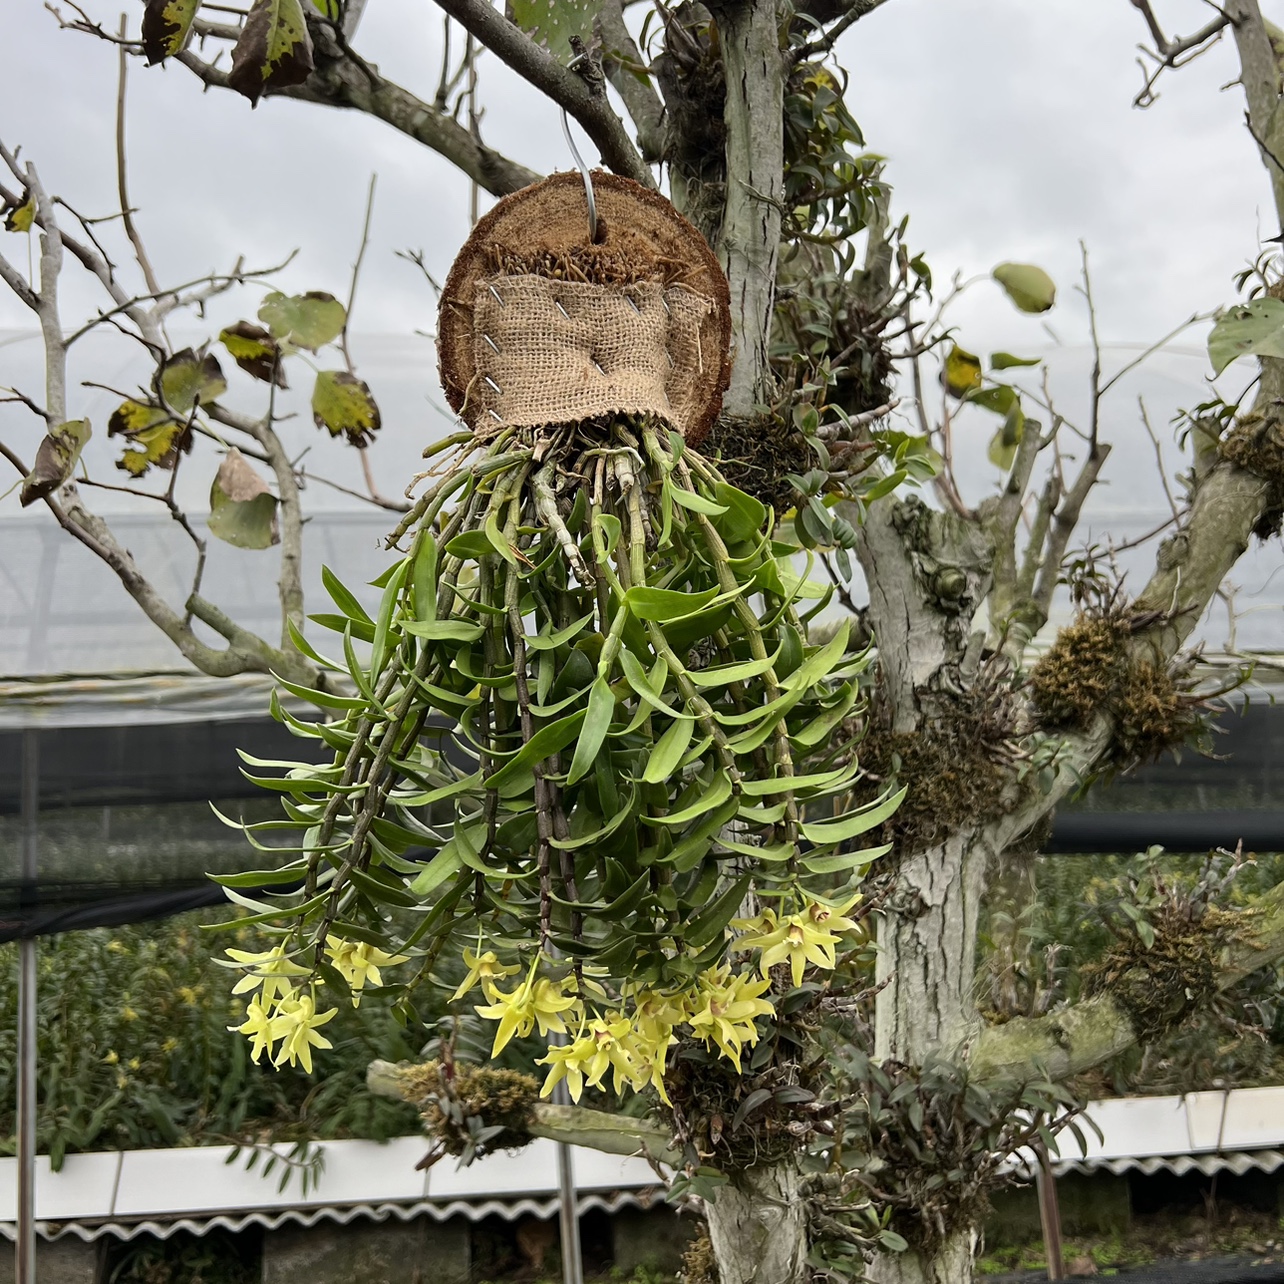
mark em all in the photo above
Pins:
pixel 134 1052
pixel 1078 920
pixel 639 740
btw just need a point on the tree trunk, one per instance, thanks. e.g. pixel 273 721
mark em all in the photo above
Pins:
pixel 758 1227
pixel 927 956
pixel 927 950
pixel 951 1263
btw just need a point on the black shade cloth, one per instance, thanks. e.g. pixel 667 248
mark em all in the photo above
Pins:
pixel 143 762
pixel 125 832
pixel 97 905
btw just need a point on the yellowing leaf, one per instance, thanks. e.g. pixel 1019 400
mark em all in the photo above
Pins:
pixel 255 351
pixel 242 509
pixel 154 437
pixel 55 460
pixel 190 378
pixel 342 403
pixel 305 320
pixel 166 24
pixel 962 372
pixel 19 217
pixel 159 446
pixel 1029 287
pixel 275 49
pixel 132 417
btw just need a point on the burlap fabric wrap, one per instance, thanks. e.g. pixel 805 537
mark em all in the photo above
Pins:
pixel 551 351
pixel 602 356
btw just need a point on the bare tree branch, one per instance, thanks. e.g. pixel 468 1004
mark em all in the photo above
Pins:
pixel 586 102
pixel 14 280
pixel 823 43
pixel 1171 53
pixel 126 212
pixel 1064 522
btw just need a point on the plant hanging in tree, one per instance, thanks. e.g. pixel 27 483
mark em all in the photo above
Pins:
pixel 588 690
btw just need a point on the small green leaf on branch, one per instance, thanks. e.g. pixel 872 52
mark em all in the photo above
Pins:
pixel 1029 287
pixel 305 320
pixel 1256 329
pixel 166 25
pixel 188 379
pixel 255 351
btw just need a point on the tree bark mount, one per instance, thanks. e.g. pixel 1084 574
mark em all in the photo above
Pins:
pixel 758 1227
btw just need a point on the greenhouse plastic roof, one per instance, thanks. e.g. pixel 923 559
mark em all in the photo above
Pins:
pixel 160 1191
pixel 62 615
pixel 1237 1130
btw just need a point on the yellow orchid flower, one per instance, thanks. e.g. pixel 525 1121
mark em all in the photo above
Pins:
pixel 257 1028
pixel 723 1010
pixel 548 1002
pixel 295 1024
pixel 567 1062
pixel 832 915
pixel 611 1038
pixel 514 1012
pixel 806 937
pixel 358 962
pixel 655 1017
pixel 485 969
pixel 535 1002
pixel 270 969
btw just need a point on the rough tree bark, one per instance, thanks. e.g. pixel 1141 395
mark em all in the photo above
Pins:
pixel 758 1227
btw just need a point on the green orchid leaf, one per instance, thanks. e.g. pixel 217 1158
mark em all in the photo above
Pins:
pixel 844 861
pixel 597 722
pixel 668 751
pixel 854 823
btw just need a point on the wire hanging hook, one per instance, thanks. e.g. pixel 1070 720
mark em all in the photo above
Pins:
pixel 584 174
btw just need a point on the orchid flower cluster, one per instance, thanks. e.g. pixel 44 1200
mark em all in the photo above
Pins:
pixel 282 1009
pixel 630 1039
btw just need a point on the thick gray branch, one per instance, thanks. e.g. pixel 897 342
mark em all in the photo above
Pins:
pixel 344 84
pixel 576 1125
pixel 622 60
pixel 588 105
pixel 245 654
pixel 1085 1034
pixel 1260 76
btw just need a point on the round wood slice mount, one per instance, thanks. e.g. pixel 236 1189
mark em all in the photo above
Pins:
pixel 552 216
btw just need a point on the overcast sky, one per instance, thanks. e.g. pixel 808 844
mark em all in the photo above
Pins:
pixel 1008 126
pixel 1007 123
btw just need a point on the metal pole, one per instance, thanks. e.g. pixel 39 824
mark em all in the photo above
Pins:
pixel 1050 1216
pixel 25 1244
pixel 568 1212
